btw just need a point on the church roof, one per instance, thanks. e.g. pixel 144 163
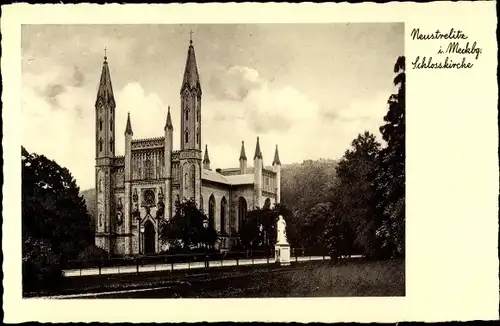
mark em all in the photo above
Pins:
pixel 230 180
pixel 276 157
pixel 191 76
pixel 210 175
pixel 241 179
pixel 105 91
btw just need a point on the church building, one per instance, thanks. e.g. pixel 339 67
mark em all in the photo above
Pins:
pixel 134 192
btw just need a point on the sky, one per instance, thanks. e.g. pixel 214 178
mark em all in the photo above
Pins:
pixel 308 88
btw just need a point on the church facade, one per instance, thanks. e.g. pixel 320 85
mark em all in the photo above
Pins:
pixel 134 192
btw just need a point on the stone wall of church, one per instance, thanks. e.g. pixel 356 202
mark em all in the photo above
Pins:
pixel 147 207
pixel 245 192
pixel 268 181
pixel 218 192
pixel 148 163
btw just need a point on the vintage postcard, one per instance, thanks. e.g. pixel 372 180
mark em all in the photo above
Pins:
pixel 330 163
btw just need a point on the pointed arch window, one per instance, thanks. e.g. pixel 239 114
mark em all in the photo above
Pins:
pixel 100 144
pixel 186 113
pixel 186 136
pixel 211 209
pixel 186 181
pixel 198 137
pixel 111 145
pixel 242 212
pixel 223 204
pixel 100 124
pixel 111 124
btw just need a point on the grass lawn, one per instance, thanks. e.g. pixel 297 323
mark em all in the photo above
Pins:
pixel 308 279
pixel 319 279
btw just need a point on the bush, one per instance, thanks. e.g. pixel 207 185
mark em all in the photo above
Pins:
pixel 38 276
pixel 93 253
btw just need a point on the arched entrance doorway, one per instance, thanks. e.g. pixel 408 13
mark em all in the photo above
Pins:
pixel 149 238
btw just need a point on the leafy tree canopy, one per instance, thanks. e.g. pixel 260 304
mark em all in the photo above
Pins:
pixel 186 228
pixel 53 212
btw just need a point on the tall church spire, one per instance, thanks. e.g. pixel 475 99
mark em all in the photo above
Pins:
pixel 191 77
pixel 105 91
pixel 258 153
pixel 276 157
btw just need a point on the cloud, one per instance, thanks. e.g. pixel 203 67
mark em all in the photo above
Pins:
pixel 239 93
pixel 234 83
pixel 287 117
pixel 147 112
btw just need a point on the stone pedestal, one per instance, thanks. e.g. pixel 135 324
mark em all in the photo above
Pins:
pixel 282 253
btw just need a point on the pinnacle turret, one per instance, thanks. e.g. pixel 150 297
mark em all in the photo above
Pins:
pixel 276 157
pixel 168 124
pixel 258 153
pixel 128 128
pixel 243 155
pixel 206 159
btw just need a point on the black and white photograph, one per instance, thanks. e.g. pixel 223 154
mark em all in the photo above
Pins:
pixel 213 161
pixel 247 162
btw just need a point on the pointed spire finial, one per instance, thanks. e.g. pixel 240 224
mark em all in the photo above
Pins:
pixel 243 155
pixel 258 153
pixel 168 124
pixel 128 128
pixel 105 54
pixel 206 159
pixel 190 36
pixel 105 90
pixel 191 79
pixel 276 157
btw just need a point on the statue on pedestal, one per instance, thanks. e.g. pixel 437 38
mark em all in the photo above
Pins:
pixel 282 248
pixel 281 229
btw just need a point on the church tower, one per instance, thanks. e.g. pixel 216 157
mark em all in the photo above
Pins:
pixel 190 132
pixel 169 129
pixel 257 171
pixel 105 152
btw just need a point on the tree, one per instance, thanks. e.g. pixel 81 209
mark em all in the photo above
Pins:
pixel 52 209
pixel 259 227
pixel 354 196
pixel 55 221
pixel 390 178
pixel 186 228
